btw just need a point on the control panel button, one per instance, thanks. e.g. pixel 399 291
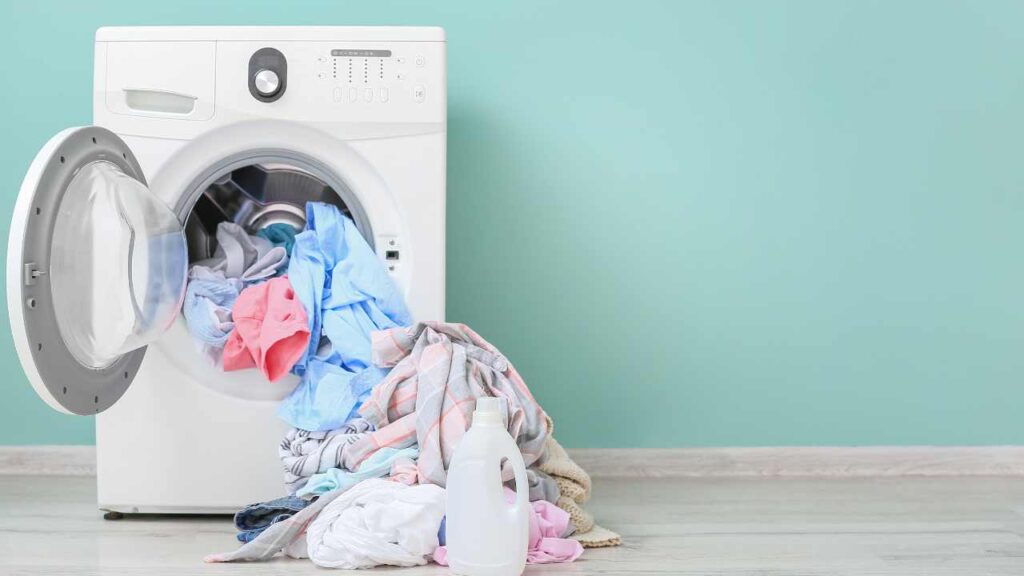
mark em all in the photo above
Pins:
pixel 421 61
pixel 400 75
pixel 419 93
pixel 368 94
pixel 353 94
pixel 267 82
pixel 399 60
pixel 338 94
pixel 267 74
pixel 384 94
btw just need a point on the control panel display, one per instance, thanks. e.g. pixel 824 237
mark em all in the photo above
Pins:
pixel 361 53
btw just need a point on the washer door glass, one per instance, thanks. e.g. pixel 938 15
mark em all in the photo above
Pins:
pixel 102 265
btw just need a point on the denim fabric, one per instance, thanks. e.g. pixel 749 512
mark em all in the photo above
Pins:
pixel 347 294
pixel 255 518
pixel 250 535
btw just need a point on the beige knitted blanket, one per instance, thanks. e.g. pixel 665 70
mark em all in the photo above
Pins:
pixel 574 484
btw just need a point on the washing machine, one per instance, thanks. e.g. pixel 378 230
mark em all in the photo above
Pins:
pixel 193 126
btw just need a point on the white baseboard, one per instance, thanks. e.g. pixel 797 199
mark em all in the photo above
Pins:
pixel 668 462
pixel 48 460
pixel 804 461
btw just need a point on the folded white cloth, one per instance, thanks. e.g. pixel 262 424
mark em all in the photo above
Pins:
pixel 377 522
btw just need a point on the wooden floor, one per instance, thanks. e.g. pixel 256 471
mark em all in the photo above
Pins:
pixel 968 526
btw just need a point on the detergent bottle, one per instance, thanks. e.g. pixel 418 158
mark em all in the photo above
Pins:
pixel 486 535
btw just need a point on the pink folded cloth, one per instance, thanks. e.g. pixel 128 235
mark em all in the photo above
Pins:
pixel 547 524
pixel 271 329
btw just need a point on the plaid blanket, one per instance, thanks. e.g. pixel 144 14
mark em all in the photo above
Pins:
pixel 439 370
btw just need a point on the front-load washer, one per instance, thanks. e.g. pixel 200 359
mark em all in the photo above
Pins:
pixel 193 126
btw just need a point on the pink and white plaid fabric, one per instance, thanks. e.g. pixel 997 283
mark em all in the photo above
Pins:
pixel 438 372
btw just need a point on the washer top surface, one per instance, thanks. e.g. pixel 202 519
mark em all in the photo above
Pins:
pixel 271 33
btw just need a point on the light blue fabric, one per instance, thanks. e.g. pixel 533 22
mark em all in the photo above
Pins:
pixel 347 294
pixel 207 308
pixel 280 234
pixel 334 394
pixel 376 465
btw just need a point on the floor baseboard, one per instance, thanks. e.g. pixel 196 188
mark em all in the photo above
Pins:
pixel 804 461
pixel 48 460
pixel 668 462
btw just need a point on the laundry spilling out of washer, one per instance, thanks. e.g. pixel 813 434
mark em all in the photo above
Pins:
pixel 379 397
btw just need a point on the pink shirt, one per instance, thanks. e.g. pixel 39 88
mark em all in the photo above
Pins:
pixel 271 329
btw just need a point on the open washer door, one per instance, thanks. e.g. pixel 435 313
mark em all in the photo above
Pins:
pixel 96 270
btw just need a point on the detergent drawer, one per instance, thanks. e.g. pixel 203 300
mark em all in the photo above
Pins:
pixel 172 80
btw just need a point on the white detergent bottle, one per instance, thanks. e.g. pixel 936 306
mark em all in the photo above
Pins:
pixel 485 535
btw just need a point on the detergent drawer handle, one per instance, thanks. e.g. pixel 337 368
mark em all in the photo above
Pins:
pixel 162 101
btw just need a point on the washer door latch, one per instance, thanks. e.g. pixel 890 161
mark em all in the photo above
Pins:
pixel 32 272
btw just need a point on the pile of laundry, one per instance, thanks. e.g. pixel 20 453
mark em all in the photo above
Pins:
pixel 380 408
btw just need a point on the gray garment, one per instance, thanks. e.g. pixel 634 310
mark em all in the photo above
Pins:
pixel 287 535
pixel 542 486
pixel 304 453
pixel 249 258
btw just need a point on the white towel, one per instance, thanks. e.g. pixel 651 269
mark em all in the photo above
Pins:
pixel 378 522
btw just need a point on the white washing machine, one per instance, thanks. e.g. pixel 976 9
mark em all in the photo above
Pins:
pixel 192 126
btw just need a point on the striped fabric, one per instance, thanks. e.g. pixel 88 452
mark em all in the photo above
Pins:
pixel 439 370
pixel 304 453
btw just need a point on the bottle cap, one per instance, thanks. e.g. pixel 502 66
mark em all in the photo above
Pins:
pixel 489 411
pixel 489 404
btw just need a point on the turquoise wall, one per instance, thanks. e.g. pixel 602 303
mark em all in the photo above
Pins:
pixel 687 223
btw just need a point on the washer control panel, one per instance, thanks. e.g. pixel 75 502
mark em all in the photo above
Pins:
pixel 378 76
pixel 334 82
pixel 355 88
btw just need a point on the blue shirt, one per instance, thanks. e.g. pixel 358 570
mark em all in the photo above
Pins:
pixel 347 294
